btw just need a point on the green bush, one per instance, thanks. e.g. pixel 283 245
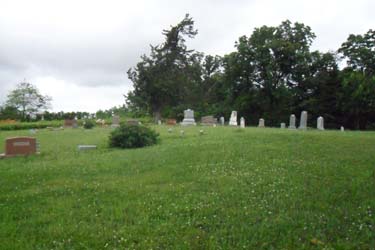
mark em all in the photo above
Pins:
pixel 132 136
pixel 88 124
pixel 30 125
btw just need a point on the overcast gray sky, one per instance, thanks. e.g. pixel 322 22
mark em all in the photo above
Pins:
pixel 78 51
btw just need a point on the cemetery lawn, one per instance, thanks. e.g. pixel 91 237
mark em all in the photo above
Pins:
pixel 227 189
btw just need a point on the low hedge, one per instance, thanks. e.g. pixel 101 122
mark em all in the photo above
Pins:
pixel 30 125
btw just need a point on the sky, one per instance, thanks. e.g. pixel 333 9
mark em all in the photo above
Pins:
pixel 78 51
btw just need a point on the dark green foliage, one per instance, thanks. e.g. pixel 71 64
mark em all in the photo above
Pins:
pixel 89 124
pixel 132 136
pixel 30 125
pixel 272 74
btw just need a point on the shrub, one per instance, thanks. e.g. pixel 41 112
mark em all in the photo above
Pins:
pixel 88 124
pixel 132 136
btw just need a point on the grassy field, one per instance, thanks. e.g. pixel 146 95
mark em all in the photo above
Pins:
pixel 227 189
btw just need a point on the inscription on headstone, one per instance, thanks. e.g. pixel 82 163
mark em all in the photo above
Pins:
pixel 20 146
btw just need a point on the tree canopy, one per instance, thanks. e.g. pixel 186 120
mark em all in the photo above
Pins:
pixel 272 73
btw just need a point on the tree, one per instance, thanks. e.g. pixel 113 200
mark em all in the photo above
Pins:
pixel 358 79
pixel 162 78
pixel 267 65
pixel 27 99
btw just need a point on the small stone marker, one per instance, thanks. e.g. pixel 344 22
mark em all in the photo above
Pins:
pixel 261 123
pixel 242 122
pixel 86 147
pixel 282 125
pixel 159 122
pixel 20 146
pixel 170 130
pixel 188 118
pixel 342 129
pixel 182 133
pixel 68 123
pixel 208 120
pixel 201 132
pixel 115 121
pixel 320 123
pixel 222 121
pixel 171 122
pixel 233 119
pixel 303 121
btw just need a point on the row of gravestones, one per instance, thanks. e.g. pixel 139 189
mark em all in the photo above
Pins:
pixel 210 120
pixel 73 123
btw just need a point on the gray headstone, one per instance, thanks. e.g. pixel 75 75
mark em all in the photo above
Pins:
pixel 233 119
pixel 159 122
pixel 242 122
pixel 86 147
pixel 342 129
pixel 320 123
pixel 303 120
pixel 188 118
pixel 282 125
pixel 292 122
pixel 222 121
pixel 261 123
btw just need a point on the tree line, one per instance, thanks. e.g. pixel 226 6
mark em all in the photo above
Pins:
pixel 271 73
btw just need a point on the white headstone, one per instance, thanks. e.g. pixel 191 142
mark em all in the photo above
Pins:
pixel 282 125
pixel 320 123
pixel 261 123
pixel 242 122
pixel 292 122
pixel 222 121
pixel 342 129
pixel 188 118
pixel 159 122
pixel 303 120
pixel 233 119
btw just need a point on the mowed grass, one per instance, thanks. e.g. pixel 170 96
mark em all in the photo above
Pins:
pixel 227 189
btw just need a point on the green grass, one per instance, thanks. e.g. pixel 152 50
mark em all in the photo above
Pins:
pixel 226 189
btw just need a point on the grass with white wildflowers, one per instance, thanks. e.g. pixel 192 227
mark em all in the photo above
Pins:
pixel 225 188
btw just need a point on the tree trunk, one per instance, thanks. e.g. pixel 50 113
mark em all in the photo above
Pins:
pixel 157 114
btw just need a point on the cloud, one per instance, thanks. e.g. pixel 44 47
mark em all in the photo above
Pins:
pixel 84 48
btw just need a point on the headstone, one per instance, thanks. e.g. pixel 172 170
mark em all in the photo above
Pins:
pixel 342 129
pixel 320 123
pixel 233 119
pixel 188 118
pixel 86 147
pixel 42 118
pixel 242 122
pixel 208 120
pixel 20 146
pixel 171 122
pixel 68 123
pixel 115 121
pixel 201 132
pixel 261 123
pixel 282 125
pixel 133 122
pixel 303 120
pixel 159 122
pixel 292 122
pixel 222 121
